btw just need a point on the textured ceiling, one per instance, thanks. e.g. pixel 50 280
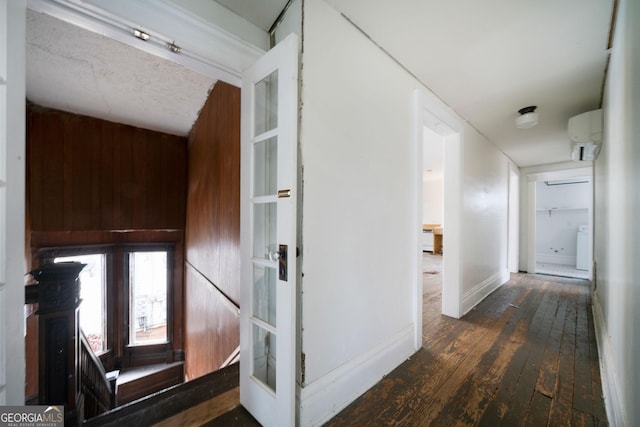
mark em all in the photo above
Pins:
pixel 72 69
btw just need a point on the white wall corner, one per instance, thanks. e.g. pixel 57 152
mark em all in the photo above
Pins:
pixel 482 290
pixel 614 404
pixel 328 395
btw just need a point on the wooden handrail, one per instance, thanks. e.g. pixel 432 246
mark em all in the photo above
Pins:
pixel 69 374
pixel 99 393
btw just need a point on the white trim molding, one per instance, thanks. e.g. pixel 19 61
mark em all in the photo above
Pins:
pixel 325 397
pixel 616 411
pixel 205 48
pixel 479 292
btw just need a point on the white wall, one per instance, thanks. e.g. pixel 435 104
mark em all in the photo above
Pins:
pixel 616 225
pixel 432 202
pixel 484 219
pixel 359 194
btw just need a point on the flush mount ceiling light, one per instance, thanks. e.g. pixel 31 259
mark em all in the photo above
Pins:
pixel 141 35
pixel 527 118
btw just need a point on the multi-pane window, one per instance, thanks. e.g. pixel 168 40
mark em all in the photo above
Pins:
pixel 126 293
pixel 93 308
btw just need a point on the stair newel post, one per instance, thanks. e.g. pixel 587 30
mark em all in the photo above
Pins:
pixel 59 338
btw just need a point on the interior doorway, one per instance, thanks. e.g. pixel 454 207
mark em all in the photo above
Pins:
pixel 435 123
pixel 432 222
pixel 560 223
pixel 562 227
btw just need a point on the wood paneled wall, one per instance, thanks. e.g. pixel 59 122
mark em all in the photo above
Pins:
pixel 89 174
pixel 213 233
pixel 94 182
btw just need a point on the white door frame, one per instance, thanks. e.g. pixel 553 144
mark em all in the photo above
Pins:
pixel 274 404
pixel 429 112
pixel 12 201
pixel 532 179
pixel 513 232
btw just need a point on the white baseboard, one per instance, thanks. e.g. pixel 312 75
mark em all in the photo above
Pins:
pixel 328 395
pixel 556 259
pixel 616 412
pixel 479 292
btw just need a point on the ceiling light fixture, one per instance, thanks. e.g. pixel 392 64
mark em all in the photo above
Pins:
pixel 141 35
pixel 527 118
pixel 173 47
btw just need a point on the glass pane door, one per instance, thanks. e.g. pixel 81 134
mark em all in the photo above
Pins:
pixel 268 228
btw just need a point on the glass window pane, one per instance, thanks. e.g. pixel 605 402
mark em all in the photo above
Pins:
pixel 266 104
pixel 264 231
pixel 264 356
pixel 264 294
pixel 148 301
pixel 93 307
pixel 265 172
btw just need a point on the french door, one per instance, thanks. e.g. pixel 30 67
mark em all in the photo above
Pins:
pixel 12 202
pixel 269 117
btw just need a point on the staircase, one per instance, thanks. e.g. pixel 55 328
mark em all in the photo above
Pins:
pixel 193 403
pixel 70 374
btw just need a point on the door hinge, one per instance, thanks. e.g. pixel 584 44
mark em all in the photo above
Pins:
pixel 302 367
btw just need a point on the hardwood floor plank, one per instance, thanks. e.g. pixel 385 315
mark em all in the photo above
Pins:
pixel 539 411
pixel 562 404
pixel 519 358
pixel 498 407
pixel 599 411
pixel 536 341
pixel 582 395
pixel 549 366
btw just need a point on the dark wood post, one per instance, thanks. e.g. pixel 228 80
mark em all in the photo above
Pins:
pixel 59 339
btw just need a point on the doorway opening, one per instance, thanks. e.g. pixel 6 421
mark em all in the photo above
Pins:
pixel 438 147
pixel 432 223
pixel 560 223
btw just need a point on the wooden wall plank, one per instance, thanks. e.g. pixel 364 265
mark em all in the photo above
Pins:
pixel 213 206
pixel 213 233
pixel 89 174
pixel 140 168
pixel 52 181
pixel 107 178
pixel 80 186
pixel 128 188
pixel 212 326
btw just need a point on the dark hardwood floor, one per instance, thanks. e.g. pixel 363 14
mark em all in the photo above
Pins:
pixel 526 355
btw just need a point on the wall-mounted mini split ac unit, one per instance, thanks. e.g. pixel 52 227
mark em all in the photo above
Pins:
pixel 585 131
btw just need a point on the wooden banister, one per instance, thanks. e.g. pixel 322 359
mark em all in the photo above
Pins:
pixel 69 374
pixel 99 393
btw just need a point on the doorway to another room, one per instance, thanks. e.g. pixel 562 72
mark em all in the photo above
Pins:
pixel 560 223
pixel 432 222
pixel 562 227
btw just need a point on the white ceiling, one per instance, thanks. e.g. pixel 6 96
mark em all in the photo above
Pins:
pixel 262 13
pixel 485 59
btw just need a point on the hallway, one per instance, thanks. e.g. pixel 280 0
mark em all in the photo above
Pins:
pixel 525 356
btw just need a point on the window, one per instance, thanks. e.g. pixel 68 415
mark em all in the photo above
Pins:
pixel 126 291
pixel 93 307
pixel 148 297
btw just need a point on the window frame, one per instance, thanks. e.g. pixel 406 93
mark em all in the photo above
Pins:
pixel 119 353
pixel 48 255
pixel 144 354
